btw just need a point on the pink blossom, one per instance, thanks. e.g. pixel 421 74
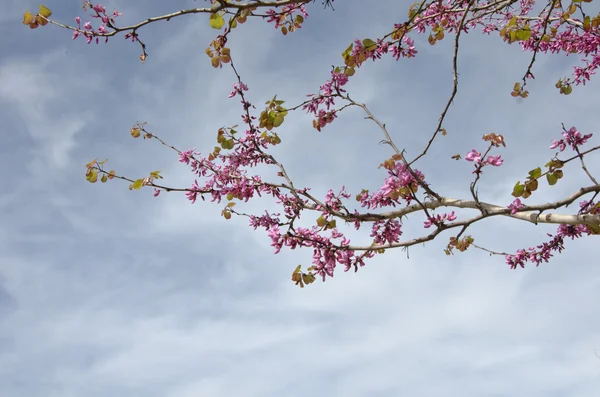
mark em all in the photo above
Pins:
pixel 237 89
pixel 473 155
pixel 544 251
pixel 496 161
pixel 558 143
pixel 439 219
pixel 275 236
pixel 99 9
pixel 515 206
pixel 386 231
pixel 193 192
pixel 572 138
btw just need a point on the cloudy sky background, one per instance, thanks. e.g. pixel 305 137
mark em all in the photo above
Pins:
pixel 108 292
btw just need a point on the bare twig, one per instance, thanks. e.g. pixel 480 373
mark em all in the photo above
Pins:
pixel 584 167
pixel 454 85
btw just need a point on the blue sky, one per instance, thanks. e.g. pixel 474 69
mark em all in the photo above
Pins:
pixel 108 292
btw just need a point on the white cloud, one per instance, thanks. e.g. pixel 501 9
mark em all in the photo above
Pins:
pixel 46 104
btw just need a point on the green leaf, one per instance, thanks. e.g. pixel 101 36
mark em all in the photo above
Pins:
pixel 92 177
pixel 412 11
pixel 138 184
pixel 308 278
pixel 566 89
pixel 297 269
pixel 523 34
pixel 321 221
pixel 594 229
pixel 278 120
pixel 348 51
pixel 45 11
pixel 369 44
pixel 552 179
pixel 216 21
pixel 518 190
pixel 519 35
pixel 535 173
pixel 104 178
pixel 227 144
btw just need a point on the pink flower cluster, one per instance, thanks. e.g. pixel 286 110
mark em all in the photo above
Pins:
pixel 275 16
pixel 333 87
pixel 334 201
pixel 88 31
pixel 229 178
pixel 439 219
pixel 399 184
pixel 570 40
pixel 265 221
pixel 544 251
pixel 386 231
pixel 238 88
pixel 227 175
pixel 325 255
pixel 515 206
pixel 440 13
pixel 326 92
pixel 186 156
pixel 572 138
pixel 476 157
pixel 589 207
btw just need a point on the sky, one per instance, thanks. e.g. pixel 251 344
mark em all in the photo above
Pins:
pixel 106 291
